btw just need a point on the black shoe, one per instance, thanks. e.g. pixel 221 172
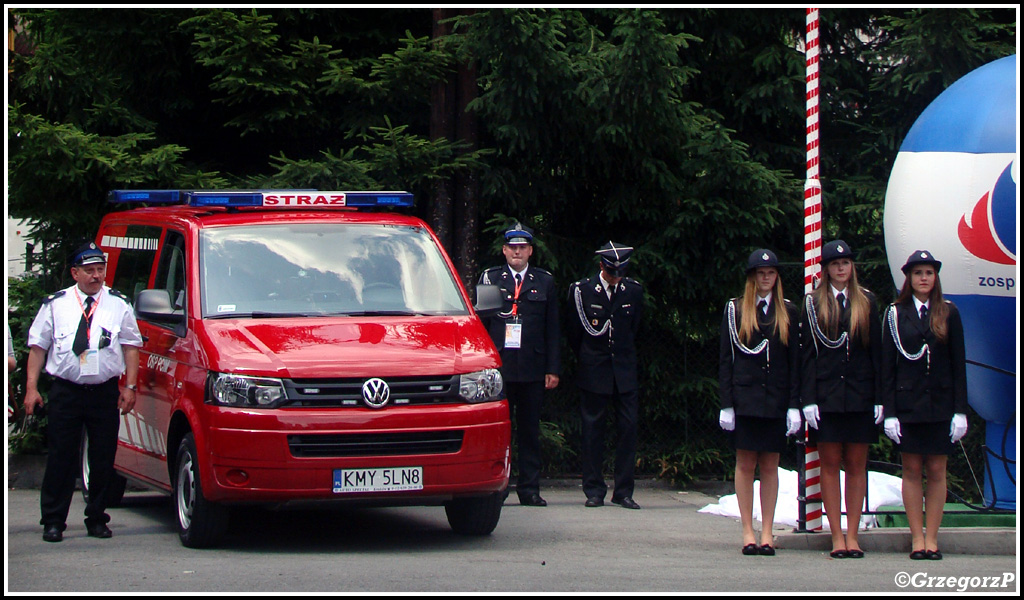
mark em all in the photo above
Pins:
pixel 933 554
pixel 626 502
pixel 99 530
pixel 532 500
pixel 52 533
pixel 766 550
pixel 919 555
pixel 855 553
pixel 840 553
pixel 594 501
pixel 749 550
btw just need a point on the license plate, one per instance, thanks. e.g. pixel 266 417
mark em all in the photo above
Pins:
pixel 388 479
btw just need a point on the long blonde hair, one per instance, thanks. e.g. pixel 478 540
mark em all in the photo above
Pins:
pixel 748 310
pixel 938 311
pixel 828 309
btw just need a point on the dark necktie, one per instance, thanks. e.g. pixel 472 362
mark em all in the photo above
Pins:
pixel 842 301
pixel 82 337
pixel 519 280
pixel 763 307
pixel 924 313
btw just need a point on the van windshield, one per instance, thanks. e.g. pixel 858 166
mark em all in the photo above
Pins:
pixel 324 269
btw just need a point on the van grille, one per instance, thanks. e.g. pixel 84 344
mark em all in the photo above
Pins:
pixel 344 393
pixel 374 444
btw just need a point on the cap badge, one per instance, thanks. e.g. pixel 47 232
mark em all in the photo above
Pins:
pixel 764 256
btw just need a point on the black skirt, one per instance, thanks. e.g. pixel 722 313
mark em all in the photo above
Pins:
pixel 925 438
pixel 845 428
pixel 758 434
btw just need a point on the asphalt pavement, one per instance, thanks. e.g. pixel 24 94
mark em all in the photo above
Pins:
pixel 666 547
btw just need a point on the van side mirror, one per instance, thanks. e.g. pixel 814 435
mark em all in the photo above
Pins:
pixel 488 300
pixel 155 305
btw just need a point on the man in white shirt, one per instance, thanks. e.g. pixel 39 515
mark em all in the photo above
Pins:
pixel 86 336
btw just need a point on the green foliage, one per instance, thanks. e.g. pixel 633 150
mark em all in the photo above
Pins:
pixel 677 131
pixel 24 297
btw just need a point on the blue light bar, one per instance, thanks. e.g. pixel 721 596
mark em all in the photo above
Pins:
pixel 365 199
pixel 218 198
pixel 151 196
pixel 291 199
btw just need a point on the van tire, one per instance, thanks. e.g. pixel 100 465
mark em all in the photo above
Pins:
pixel 201 523
pixel 115 492
pixel 474 516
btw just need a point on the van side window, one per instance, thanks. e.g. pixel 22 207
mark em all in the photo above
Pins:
pixel 137 251
pixel 170 274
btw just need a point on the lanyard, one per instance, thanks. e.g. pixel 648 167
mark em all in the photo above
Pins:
pixel 515 298
pixel 88 316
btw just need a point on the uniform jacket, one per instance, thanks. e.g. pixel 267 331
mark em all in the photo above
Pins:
pixel 56 324
pixel 606 360
pixel 843 379
pixel 765 384
pixel 933 387
pixel 539 352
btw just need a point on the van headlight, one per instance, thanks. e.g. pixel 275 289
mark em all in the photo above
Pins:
pixel 241 391
pixel 481 386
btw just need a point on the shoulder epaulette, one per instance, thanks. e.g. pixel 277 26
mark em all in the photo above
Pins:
pixel 541 271
pixel 118 294
pixel 53 296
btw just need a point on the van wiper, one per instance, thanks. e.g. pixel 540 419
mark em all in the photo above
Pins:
pixel 281 315
pixel 382 313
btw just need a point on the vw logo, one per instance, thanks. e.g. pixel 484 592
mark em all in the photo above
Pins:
pixel 376 393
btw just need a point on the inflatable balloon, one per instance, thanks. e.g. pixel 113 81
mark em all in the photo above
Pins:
pixel 953 191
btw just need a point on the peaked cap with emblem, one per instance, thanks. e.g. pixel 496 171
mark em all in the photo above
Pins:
pixel 762 258
pixel 87 254
pixel 921 257
pixel 835 249
pixel 518 234
pixel 615 257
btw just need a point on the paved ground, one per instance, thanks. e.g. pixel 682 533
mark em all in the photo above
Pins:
pixel 665 547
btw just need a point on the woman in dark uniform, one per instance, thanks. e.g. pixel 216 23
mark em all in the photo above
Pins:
pixel 924 387
pixel 840 341
pixel 758 374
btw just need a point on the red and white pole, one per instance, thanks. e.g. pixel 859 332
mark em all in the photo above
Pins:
pixel 812 248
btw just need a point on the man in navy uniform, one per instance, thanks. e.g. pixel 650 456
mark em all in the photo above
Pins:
pixel 86 336
pixel 526 333
pixel 605 316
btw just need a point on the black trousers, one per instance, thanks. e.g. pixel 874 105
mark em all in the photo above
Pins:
pixel 70 409
pixel 525 399
pixel 593 408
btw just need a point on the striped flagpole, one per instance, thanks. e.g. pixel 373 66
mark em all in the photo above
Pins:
pixel 812 252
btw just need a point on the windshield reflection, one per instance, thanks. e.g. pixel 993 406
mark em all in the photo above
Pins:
pixel 324 269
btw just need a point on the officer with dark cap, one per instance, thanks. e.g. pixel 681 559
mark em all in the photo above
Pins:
pixel 87 337
pixel 605 317
pixel 526 333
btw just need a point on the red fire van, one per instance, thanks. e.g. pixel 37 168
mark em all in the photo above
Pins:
pixel 297 347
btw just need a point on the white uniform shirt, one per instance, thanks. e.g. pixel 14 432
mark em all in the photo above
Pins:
pixel 56 324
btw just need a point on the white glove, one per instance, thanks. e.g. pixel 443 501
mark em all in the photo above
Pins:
pixel 892 429
pixel 958 427
pixel 727 419
pixel 811 415
pixel 879 414
pixel 793 422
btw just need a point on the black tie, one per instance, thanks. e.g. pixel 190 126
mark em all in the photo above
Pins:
pixel 763 307
pixel 82 337
pixel 842 301
pixel 519 280
pixel 924 313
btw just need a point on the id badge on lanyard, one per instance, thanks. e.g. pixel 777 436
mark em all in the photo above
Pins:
pixel 514 329
pixel 89 362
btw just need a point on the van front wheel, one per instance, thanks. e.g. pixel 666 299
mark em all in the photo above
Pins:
pixel 474 516
pixel 201 523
